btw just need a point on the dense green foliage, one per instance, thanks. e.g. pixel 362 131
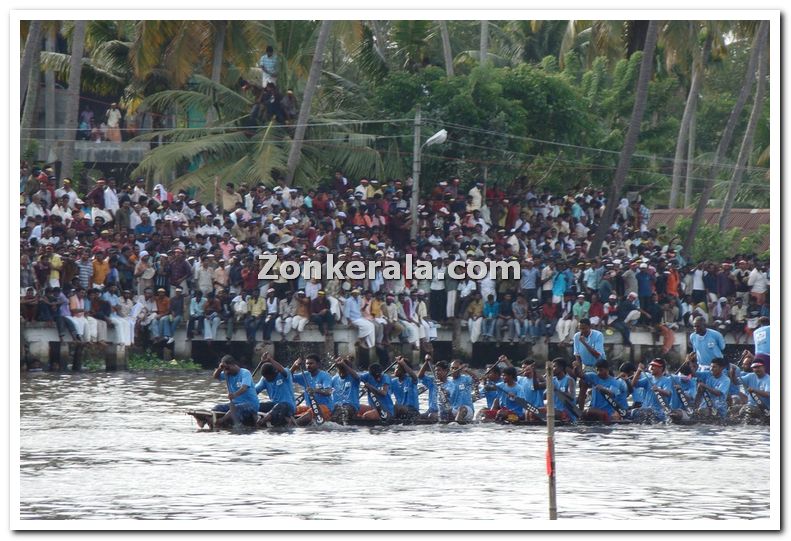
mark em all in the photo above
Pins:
pixel 551 106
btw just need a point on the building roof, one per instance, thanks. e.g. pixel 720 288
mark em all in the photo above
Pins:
pixel 747 219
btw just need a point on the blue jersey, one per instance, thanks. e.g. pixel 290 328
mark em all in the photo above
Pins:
pixel 346 391
pixel 707 347
pixel 621 398
pixel 689 386
pixel 280 390
pixel 489 395
pixel 386 401
pixel 321 380
pixel 596 341
pixel 428 381
pixel 650 400
pixel 504 393
pixel 749 379
pixel 721 384
pixel 565 384
pixel 404 391
pixel 597 399
pixel 530 393
pixel 249 398
pixel 460 391
pixel 761 339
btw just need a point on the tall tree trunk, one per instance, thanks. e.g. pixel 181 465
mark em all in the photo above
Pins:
pixel 307 99
pixel 32 48
pixel 50 112
pixel 31 99
pixel 216 65
pixel 727 134
pixel 381 41
pixel 446 50
pixel 698 70
pixel 692 145
pixel 749 137
pixel 638 110
pixel 484 42
pixel 72 99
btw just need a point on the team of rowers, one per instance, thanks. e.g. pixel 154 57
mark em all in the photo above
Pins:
pixel 581 392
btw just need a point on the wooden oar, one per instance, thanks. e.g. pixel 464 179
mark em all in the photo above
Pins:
pixel 318 418
pixel 662 401
pixel 441 396
pixel 529 407
pixel 569 401
pixel 759 402
pixel 610 400
pixel 683 398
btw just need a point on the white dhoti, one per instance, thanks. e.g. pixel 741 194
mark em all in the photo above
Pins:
pixel 595 320
pixel 79 325
pixel 412 332
pixel 475 328
pixel 298 323
pixel 566 328
pixel 634 315
pixel 91 329
pixel 450 306
pixel 283 325
pixel 366 330
pixel 335 308
pixel 123 334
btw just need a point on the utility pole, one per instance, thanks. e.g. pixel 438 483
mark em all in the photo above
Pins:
pixel 415 176
pixel 553 506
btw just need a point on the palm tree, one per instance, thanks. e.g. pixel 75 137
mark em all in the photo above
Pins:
pixel 31 73
pixel 49 82
pixel 749 135
pixel 484 42
pixel 72 98
pixel 698 69
pixel 641 96
pixel 727 134
pixel 307 100
pixel 447 52
pixel 31 51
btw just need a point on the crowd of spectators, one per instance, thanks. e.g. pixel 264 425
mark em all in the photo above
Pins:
pixel 145 261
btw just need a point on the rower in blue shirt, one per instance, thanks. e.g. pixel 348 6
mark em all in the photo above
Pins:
pixel 438 391
pixel 564 391
pixel 606 389
pixel 714 386
pixel 657 391
pixel 756 386
pixel 685 390
pixel 316 382
pixel 404 389
pixel 626 373
pixel 532 392
pixel 345 391
pixel 509 391
pixel 461 383
pixel 761 336
pixel 243 405
pixel 588 350
pixel 378 386
pixel 277 382
pixel 707 344
pixel 487 390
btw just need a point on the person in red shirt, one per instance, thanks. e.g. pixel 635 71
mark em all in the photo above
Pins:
pixel 596 312
pixel 249 276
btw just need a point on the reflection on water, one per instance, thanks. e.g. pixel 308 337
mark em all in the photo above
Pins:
pixel 120 446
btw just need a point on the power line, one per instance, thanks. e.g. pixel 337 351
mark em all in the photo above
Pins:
pixel 580 147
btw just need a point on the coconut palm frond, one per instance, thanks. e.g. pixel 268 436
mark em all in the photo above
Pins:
pixel 175 154
pixel 182 100
pixel 227 99
pixel 94 77
pixel 271 153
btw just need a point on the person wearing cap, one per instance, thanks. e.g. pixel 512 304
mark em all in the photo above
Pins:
pixel 657 389
pixel 707 344
pixel 754 379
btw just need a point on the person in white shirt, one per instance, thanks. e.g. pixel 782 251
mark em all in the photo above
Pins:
pixel 111 197
pixel 759 284
pixel 67 191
